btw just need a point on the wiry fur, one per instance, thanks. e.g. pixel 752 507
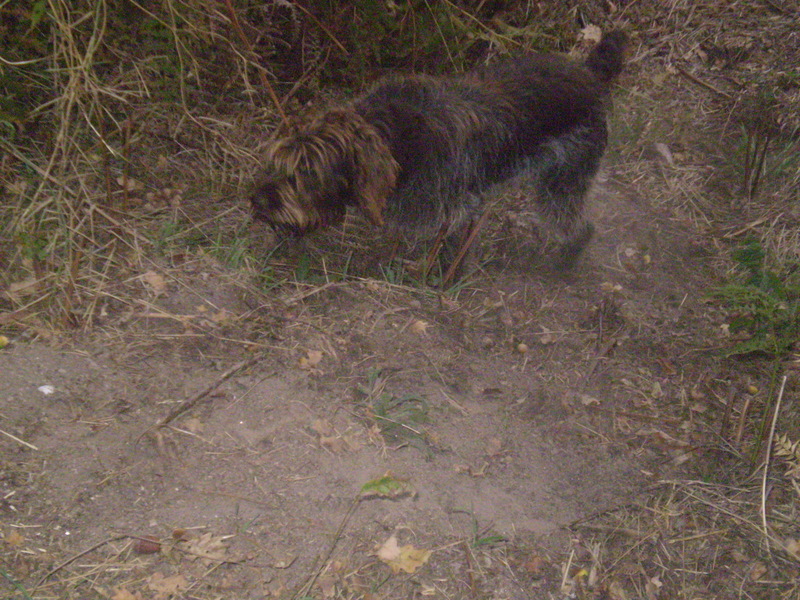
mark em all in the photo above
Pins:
pixel 421 152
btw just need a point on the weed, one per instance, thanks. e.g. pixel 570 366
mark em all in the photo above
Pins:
pixel 765 307
pixel 397 417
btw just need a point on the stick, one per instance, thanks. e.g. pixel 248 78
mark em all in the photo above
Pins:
pixel 192 402
pixel 57 568
pixel 766 464
pixel 16 439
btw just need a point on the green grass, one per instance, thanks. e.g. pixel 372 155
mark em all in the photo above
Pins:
pixel 764 306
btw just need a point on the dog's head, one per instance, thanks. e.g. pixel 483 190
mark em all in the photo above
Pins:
pixel 315 172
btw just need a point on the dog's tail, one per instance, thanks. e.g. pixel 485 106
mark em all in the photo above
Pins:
pixel 607 58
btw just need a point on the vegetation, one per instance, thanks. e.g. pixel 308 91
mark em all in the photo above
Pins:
pixel 130 130
pixel 765 306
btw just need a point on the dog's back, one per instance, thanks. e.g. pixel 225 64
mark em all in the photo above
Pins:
pixel 453 138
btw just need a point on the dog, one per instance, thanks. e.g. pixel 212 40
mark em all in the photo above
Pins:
pixel 420 154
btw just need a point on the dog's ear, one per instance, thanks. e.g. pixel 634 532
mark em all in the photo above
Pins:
pixel 370 167
pixel 375 173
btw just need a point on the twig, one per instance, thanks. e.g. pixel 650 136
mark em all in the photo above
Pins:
pixel 16 439
pixel 58 567
pixel 701 83
pixel 191 402
pixel 766 463
pixel 303 591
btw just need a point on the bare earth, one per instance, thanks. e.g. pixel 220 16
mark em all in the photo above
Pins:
pixel 520 440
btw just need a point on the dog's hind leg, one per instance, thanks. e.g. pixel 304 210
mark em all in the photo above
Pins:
pixel 565 171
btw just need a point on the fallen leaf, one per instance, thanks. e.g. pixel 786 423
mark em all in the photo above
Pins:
pixel 208 547
pixel 662 149
pixel 535 566
pixel 757 570
pixel 387 486
pixel 334 443
pixel 494 447
pixel 419 326
pixel 311 359
pixel 792 546
pixel 129 183
pixel 608 286
pixel 123 594
pixel 14 539
pixel 402 558
pixel 588 400
pixel 155 282
pixel 147 544
pixel 164 587
pixel 591 33
pixel 322 427
pixel 194 425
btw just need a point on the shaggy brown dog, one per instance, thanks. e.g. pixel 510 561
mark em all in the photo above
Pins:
pixel 421 153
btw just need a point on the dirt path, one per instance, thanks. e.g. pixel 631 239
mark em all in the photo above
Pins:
pixel 529 401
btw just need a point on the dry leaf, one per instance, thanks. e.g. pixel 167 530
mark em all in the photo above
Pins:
pixel 14 539
pixel 164 587
pixel 155 282
pixel 588 400
pixel 194 425
pixel 334 443
pixel 322 427
pixel 494 447
pixel 663 150
pixel 123 594
pixel 419 327
pixel 535 566
pixel 591 33
pixel 757 570
pixel 311 359
pixel 792 546
pixel 608 286
pixel 147 544
pixel 406 558
pixel 129 183
pixel 208 547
